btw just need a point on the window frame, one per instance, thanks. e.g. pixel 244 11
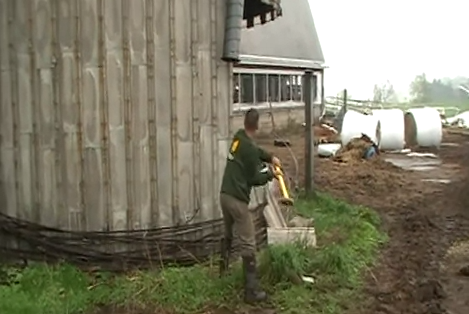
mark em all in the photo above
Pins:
pixel 242 106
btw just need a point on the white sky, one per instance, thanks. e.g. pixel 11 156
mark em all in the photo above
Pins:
pixel 370 41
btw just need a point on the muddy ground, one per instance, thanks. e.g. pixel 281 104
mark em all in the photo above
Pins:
pixel 423 214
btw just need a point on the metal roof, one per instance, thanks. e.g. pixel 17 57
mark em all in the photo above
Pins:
pixel 293 36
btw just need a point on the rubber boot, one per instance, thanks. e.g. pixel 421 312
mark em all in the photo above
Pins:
pixel 252 291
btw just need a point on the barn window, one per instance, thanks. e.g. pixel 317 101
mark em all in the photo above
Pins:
pixel 236 88
pixel 296 88
pixel 265 87
pixel 274 83
pixel 285 87
pixel 247 88
pixel 261 88
pixel 317 87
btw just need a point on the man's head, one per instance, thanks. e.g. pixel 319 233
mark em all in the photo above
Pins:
pixel 251 121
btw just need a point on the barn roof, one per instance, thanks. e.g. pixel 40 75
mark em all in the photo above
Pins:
pixel 291 39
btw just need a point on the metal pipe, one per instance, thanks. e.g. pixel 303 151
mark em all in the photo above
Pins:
pixel 323 97
pixel 233 26
pixel 309 136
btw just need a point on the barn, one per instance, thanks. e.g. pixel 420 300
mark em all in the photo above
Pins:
pixel 117 116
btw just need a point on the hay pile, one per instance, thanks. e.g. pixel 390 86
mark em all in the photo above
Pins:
pixel 325 134
pixel 354 150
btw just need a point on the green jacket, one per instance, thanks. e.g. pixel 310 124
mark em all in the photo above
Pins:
pixel 242 170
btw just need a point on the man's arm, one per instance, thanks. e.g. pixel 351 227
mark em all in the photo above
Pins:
pixel 251 163
pixel 264 156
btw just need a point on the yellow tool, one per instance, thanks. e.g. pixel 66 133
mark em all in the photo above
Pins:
pixel 286 199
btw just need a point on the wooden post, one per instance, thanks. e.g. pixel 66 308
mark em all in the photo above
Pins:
pixel 309 135
pixel 323 96
pixel 345 99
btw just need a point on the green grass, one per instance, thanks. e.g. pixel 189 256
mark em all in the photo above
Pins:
pixel 42 289
pixel 348 242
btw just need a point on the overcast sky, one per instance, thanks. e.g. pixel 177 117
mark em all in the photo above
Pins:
pixel 371 41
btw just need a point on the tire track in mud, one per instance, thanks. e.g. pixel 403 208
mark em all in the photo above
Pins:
pixel 422 219
pixel 410 277
pixel 407 275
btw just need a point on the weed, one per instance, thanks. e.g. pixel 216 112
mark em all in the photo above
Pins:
pixel 348 240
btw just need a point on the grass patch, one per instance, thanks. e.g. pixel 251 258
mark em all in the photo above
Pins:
pixel 63 289
pixel 348 240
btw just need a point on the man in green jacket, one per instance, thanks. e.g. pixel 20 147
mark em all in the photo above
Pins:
pixel 242 172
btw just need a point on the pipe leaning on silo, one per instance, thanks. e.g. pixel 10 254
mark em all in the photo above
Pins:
pixel 233 26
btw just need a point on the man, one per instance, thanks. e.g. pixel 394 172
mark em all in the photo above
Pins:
pixel 242 172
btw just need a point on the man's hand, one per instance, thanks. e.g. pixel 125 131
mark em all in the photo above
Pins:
pixel 276 161
pixel 276 171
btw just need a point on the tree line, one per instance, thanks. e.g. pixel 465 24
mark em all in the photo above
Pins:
pixel 444 91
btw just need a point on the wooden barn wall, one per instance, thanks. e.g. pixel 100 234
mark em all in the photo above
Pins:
pixel 114 114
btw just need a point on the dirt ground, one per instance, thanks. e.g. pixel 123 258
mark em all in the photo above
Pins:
pixel 427 221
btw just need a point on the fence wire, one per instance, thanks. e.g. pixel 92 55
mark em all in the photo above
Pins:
pixel 186 245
